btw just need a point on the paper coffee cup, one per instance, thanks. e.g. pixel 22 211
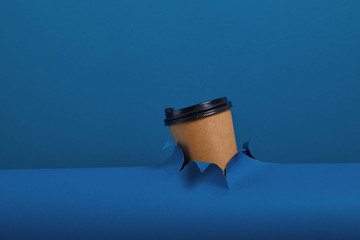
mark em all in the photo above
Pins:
pixel 204 131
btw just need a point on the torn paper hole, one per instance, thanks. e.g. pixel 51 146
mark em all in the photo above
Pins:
pixel 194 171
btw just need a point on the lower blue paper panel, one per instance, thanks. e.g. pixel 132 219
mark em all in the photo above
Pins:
pixel 256 200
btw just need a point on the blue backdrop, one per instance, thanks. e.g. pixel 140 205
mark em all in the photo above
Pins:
pixel 84 83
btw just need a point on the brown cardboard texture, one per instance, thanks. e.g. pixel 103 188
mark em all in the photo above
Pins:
pixel 208 139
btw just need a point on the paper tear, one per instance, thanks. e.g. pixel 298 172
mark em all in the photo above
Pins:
pixel 245 148
pixel 168 144
pixel 195 172
pixel 202 166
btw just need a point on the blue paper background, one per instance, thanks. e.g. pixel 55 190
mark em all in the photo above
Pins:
pixel 262 201
pixel 84 83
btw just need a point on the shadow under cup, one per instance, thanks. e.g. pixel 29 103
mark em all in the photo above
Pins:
pixel 204 132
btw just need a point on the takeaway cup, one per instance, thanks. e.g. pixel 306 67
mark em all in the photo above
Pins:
pixel 204 131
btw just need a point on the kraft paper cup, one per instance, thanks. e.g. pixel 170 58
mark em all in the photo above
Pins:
pixel 204 132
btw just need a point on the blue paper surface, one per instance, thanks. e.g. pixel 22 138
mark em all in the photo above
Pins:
pixel 255 200
pixel 81 82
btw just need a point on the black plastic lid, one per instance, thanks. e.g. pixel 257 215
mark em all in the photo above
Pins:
pixel 196 111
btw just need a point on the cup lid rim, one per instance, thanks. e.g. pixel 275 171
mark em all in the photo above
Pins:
pixel 196 111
